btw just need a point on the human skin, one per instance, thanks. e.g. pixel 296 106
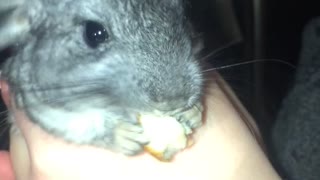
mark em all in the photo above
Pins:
pixel 224 149
pixel 6 172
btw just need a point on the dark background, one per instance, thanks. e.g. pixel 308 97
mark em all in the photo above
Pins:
pixel 264 30
pixel 247 30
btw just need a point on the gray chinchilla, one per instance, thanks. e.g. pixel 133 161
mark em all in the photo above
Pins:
pixel 83 69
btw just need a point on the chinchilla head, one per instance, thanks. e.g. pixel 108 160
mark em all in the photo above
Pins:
pixel 135 54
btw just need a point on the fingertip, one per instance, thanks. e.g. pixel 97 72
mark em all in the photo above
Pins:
pixel 6 171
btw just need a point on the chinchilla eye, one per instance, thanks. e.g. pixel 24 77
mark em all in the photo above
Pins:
pixel 95 33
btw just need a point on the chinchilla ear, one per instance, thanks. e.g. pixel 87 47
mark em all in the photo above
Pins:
pixel 13 24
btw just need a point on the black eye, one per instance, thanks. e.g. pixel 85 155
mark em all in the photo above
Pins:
pixel 95 33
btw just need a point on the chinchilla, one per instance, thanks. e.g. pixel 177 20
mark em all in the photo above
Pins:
pixel 83 69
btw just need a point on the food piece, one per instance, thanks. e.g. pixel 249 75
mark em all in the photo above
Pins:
pixel 167 136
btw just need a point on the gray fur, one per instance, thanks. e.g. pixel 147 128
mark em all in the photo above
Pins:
pixel 85 95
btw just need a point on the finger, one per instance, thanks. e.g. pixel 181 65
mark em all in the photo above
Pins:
pixel 6 172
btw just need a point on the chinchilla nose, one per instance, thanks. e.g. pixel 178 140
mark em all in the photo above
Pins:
pixel 175 88
pixel 170 101
pixel 170 105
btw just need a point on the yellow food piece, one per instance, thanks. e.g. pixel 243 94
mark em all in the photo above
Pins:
pixel 167 136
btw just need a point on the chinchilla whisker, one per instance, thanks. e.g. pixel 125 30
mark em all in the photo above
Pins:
pixel 67 85
pixel 4 126
pixel 250 62
pixel 207 80
pixel 214 53
pixel 4 112
pixel 4 122
pixel 79 95
pixel 228 79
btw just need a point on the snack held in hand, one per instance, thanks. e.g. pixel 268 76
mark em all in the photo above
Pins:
pixel 167 136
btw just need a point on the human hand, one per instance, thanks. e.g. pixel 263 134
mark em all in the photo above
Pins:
pixel 225 150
